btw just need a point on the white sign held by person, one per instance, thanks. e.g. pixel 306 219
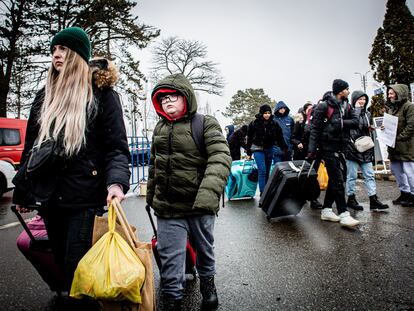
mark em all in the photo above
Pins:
pixel 389 131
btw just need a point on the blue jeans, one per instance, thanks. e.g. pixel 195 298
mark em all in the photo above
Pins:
pixel 280 156
pixel 367 173
pixel 264 162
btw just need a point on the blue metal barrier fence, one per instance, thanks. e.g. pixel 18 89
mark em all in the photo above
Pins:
pixel 139 148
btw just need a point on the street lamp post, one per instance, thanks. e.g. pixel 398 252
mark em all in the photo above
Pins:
pixel 363 79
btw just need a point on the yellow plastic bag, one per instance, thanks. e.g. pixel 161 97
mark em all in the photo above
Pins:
pixel 322 176
pixel 110 270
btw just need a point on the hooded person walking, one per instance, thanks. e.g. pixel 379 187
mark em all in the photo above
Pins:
pixel 287 124
pixel 355 158
pixel 184 189
pixel 402 155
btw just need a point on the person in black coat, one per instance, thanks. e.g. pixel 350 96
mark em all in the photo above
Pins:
pixel 80 112
pixel 332 119
pixel 355 159
pixel 300 135
pixel 238 140
pixel 300 140
pixel 263 133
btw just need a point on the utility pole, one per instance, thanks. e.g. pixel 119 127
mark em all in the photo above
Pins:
pixel 363 79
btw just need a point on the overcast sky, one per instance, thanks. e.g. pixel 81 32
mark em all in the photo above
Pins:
pixel 292 49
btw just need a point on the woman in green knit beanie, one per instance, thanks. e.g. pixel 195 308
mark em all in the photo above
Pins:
pixel 89 163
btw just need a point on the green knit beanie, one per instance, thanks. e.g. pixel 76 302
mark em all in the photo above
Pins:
pixel 74 38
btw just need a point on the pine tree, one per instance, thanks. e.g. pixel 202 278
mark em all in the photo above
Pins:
pixel 377 106
pixel 113 29
pixel 392 55
pixel 245 105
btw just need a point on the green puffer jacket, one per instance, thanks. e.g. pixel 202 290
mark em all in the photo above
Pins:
pixel 181 181
pixel 404 110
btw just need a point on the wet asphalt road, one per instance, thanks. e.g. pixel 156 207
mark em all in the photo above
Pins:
pixel 291 263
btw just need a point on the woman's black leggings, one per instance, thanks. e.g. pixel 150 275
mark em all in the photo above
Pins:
pixel 70 236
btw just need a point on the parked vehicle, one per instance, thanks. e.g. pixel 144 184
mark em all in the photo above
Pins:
pixel 139 147
pixel 7 172
pixel 12 137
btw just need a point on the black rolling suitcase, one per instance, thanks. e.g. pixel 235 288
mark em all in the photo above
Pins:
pixel 290 185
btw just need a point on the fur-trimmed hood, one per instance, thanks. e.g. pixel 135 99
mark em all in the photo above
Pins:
pixel 298 117
pixel 104 73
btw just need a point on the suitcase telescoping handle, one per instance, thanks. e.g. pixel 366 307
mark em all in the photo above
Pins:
pixel 302 167
pixel 148 208
pixel 23 223
pixel 311 167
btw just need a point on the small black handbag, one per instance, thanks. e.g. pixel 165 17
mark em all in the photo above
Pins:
pixel 44 156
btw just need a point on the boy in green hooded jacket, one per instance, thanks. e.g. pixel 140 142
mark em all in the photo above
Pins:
pixel 184 188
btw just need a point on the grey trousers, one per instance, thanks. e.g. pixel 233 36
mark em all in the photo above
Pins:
pixel 404 174
pixel 172 241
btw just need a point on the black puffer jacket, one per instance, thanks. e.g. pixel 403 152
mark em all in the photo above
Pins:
pixel 351 153
pixel 265 134
pixel 82 180
pixel 238 140
pixel 300 136
pixel 331 134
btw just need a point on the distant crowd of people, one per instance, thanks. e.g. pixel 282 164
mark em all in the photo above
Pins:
pixel 339 133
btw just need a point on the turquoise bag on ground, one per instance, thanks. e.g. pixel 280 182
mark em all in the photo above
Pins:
pixel 242 182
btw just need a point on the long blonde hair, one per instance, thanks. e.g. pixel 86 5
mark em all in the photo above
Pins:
pixel 68 103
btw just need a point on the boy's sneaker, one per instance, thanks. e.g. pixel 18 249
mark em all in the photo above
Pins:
pixel 328 214
pixel 347 220
pixel 209 293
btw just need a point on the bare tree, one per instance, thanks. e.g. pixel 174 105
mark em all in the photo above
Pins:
pixel 175 55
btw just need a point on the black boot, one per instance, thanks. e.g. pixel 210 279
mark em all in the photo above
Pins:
pixel 353 203
pixel 170 304
pixel 409 202
pixel 209 293
pixel 315 204
pixel 402 198
pixel 375 204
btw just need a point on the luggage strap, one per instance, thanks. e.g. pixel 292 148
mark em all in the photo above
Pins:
pixel 294 167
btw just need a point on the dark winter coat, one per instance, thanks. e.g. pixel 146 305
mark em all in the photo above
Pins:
pixel 404 110
pixel 264 134
pixel 181 181
pixel 230 131
pixel 238 140
pixel 331 134
pixel 364 117
pixel 300 135
pixel 81 181
pixel 286 123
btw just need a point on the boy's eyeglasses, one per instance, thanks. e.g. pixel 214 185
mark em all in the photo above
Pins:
pixel 169 98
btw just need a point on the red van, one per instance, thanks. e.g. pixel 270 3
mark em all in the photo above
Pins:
pixel 12 136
